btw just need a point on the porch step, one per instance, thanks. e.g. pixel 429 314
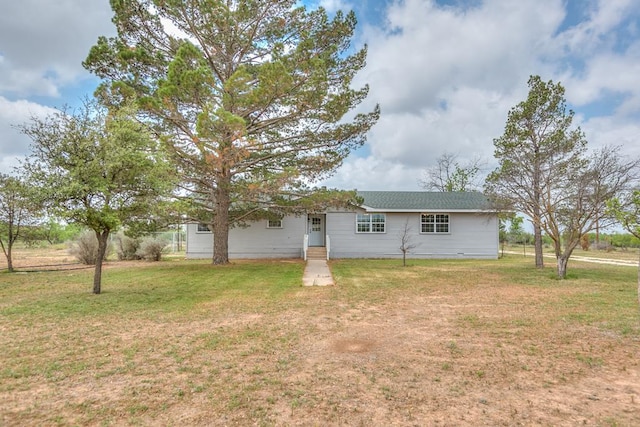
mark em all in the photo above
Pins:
pixel 316 252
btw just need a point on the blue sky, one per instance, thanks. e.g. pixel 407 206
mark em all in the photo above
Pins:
pixel 445 73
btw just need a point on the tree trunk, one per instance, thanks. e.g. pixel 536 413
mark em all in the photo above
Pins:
pixel 537 226
pixel 564 256
pixel 103 239
pixel 7 249
pixel 9 261
pixel 562 266
pixel 537 232
pixel 639 278
pixel 537 241
pixel 221 227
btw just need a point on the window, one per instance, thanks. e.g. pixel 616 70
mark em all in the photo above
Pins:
pixel 434 223
pixel 370 223
pixel 203 228
pixel 274 223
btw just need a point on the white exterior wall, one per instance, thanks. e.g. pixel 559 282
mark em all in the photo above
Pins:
pixel 472 235
pixel 255 241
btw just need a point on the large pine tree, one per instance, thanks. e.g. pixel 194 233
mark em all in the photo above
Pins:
pixel 251 96
pixel 537 153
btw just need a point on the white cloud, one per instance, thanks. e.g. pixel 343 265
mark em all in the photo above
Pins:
pixel 607 49
pixel 404 145
pixel 43 46
pixel 426 50
pixel 13 144
pixel 24 81
pixel 373 173
pixel 446 77
pixel 49 41
pixel 334 5
pixel 613 131
pixel 606 74
pixel 597 31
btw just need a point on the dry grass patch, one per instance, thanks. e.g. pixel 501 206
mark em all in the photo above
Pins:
pixel 438 342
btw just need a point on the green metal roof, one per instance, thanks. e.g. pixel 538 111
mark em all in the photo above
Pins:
pixel 424 201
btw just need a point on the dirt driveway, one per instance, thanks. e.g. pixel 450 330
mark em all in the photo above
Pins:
pixel 591 259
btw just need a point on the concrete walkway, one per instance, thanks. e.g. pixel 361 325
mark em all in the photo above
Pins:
pixel 317 273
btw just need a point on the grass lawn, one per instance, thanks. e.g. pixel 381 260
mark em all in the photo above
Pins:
pixel 436 343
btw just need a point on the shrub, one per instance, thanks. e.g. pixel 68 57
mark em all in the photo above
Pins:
pixel 127 247
pixel 85 248
pixel 603 245
pixel 584 242
pixel 151 248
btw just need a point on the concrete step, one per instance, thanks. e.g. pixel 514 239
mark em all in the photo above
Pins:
pixel 317 253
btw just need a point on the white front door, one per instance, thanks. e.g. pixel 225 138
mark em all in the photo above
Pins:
pixel 316 229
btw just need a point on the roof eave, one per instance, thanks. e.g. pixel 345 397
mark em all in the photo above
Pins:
pixel 370 209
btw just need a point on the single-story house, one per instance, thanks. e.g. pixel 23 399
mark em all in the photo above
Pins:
pixel 434 225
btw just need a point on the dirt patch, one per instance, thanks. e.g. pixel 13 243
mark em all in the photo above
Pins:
pixel 353 346
pixel 57 258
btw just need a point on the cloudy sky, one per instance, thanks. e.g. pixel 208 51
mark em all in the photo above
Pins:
pixel 445 73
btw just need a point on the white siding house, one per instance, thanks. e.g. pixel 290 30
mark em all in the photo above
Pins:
pixel 438 225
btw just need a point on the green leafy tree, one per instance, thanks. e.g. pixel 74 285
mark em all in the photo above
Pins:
pixel 97 168
pixel 502 229
pixel 17 210
pixel 448 175
pixel 621 240
pixel 54 232
pixel 252 98
pixel 516 231
pixel 537 153
pixel 627 212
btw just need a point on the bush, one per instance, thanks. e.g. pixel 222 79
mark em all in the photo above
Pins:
pixel 584 242
pixel 85 248
pixel 151 248
pixel 127 247
pixel 602 245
